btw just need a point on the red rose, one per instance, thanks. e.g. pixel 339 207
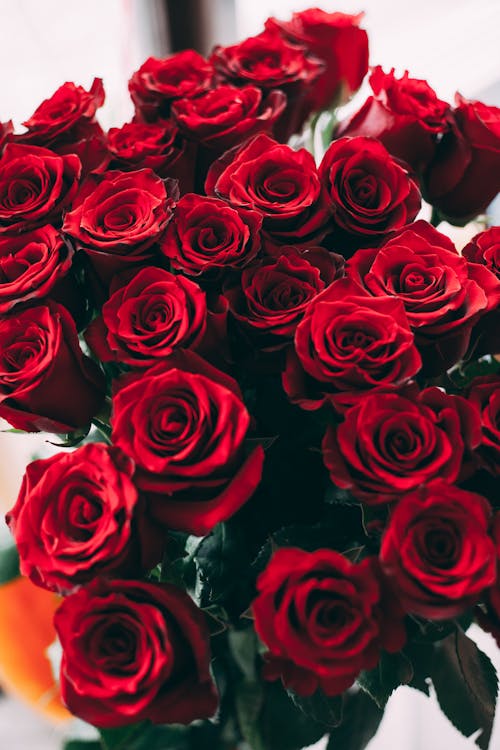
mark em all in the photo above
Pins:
pixel 118 217
pixel 73 517
pixel 280 183
pixel 31 265
pixel 6 130
pixel 390 444
pixel 484 250
pixel 158 83
pixel 184 424
pixel 464 176
pixel 404 114
pixel 336 39
pixel 269 62
pixel 371 193
pixel 439 289
pixel 348 345
pixel 158 146
pixel 322 619
pixel 437 552
pixel 134 651
pixel 36 185
pixel 484 393
pixel 272 295
pixel 226 116
pixel 147 317
pixel 207 235
pixel 46 383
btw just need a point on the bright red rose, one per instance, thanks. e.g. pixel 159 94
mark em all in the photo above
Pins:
pixel 269 62
pixel 436 550
pixel 31 265
pixel 404 114
pixel 442 293
pixel 46 383
pixel 149 314
pixel 336 39
pixel 73 518
pixel 348 345
pixel 119 217
pixel 464 176
pixel 36 185
pixel 484 393
pixel 184 424
pixel 484 250
pixel 272 295
pixel 280 183
pixel 158 83
pixel 323 619
pixel 371 193
pixel 134 651
pixel 207 236
pixel 389 444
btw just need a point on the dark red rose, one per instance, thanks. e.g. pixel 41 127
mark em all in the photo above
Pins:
pixel 272 296
pixel 336 39
pixel 73 518
pixel 134 651
pixel 464 176
pixel 404 114
pixel 157 146
pixel 119 217
pixel 348 345
pixel 484 250
pixel 158 83
pixel 6 130
pixel 484 393
pixel 269 62
pixel 442 293
pixel 323 619
pixel 280 183
pixel 488 615
pixel 207 235
pixel 184 424
pixel 148 315
pixel 46 383
pixel 437 552
pixel 226 116
pixel 36 185
pixel 31 265
pixel 389 444
pixel 372 194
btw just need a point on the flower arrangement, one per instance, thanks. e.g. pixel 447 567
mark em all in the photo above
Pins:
pixel 278 385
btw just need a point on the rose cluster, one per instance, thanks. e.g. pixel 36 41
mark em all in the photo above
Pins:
pixel 264 340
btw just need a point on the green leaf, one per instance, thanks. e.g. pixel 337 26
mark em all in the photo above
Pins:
pixel 9 564
pixel 82 745
pixel 320 707
pixel 249 699
pixel 244 648
pixel 466 686
pixel 281 725
pixel 146 736
pixel 392 671
pixel 361 721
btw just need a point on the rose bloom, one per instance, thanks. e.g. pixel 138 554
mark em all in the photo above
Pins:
pixel 134 651
pixel 348 345
pixel 389 444
pixel 73 517
pixel 118 217
pixel 404 114
pixel 484 249
pixel 437 551
pixel 484 393
pixel 36 185
pixel 442 293
pixel 184 424
pixel 46 382
pixel 6 130
pixel 323 619
pixel 31 265
pixel 371 193
pixel 208 236
pixel 464 176
pixel 336 39
pixel 158 83
pixel 278 182
pixel 148 315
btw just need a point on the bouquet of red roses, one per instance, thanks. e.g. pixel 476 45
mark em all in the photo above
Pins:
pixel 279 387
